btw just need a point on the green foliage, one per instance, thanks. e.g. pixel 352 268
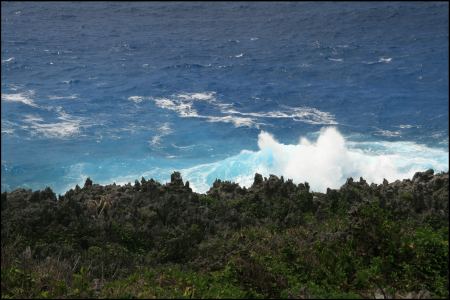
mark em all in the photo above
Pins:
pixel 80 285
pixel 172 282
pixel 274 240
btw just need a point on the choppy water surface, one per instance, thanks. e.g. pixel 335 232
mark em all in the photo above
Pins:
pixel 316 92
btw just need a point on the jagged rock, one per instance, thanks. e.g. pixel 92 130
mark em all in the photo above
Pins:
pixel 225 190
pixel 438 182
pixel 258 181
pixel 155 210
pixel 423 176
pixel 362 181
pixel 88 183
pixel 427 194
pixel 216 183
pixel 272 184
pixel 175 179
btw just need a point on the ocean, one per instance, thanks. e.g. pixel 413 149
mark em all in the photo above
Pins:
pixel 313 91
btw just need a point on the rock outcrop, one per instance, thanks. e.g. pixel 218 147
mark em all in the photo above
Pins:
pixel 377 230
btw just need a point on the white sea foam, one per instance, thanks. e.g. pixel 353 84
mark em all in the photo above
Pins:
pixel 327 162
pixel 236 121
pixel 197 96
pixel 303 114
pixel 67 126
pixel 36 125
pixel 8 127
pixel 380 60
pixel 163 130
pixel 24 98
pixel 8 60
pixel 336 59
pixel 388 133
pixel 136 99
pixel 7 130
pixel 55 130
pixel 183 147
pixel 385 59
pixel 72 97
pixel 32 118
pixel 407 126
pixel 184 109
pixel 184 103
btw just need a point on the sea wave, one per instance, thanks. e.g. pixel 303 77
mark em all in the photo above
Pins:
pixel 136 99
pixel 67 125
pixel 24 98
pixel 184 104
pixel 336 59
pixel 408 126
pixel 324 163
pixel 162 130
pixel 385 59
pixel 72 97
pixel 8 60
pixel 236 121
pixel 302 114
pixel 388 133
pixel 8 127
pixel 197 96
pixel 327 162
pixel 183 108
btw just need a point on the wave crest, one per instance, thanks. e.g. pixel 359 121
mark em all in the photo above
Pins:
pixel 325 163
pixel 184 104
pixel 24 98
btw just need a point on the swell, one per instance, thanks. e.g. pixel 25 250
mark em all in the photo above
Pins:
pixel 324 163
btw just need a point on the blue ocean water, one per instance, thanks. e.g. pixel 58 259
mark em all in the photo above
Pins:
pixel 316 92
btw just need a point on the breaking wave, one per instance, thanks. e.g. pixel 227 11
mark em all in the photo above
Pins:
pixel 324 163
pixel 327 162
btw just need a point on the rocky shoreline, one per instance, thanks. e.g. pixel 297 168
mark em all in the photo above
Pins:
pixel 273 239
pixel 428 191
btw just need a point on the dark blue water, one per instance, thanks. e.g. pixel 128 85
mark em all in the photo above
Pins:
pixel 116 91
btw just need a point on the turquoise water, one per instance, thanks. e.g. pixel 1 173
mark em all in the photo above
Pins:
pixel 116 91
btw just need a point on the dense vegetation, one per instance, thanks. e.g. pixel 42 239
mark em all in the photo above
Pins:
pixel 273 240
